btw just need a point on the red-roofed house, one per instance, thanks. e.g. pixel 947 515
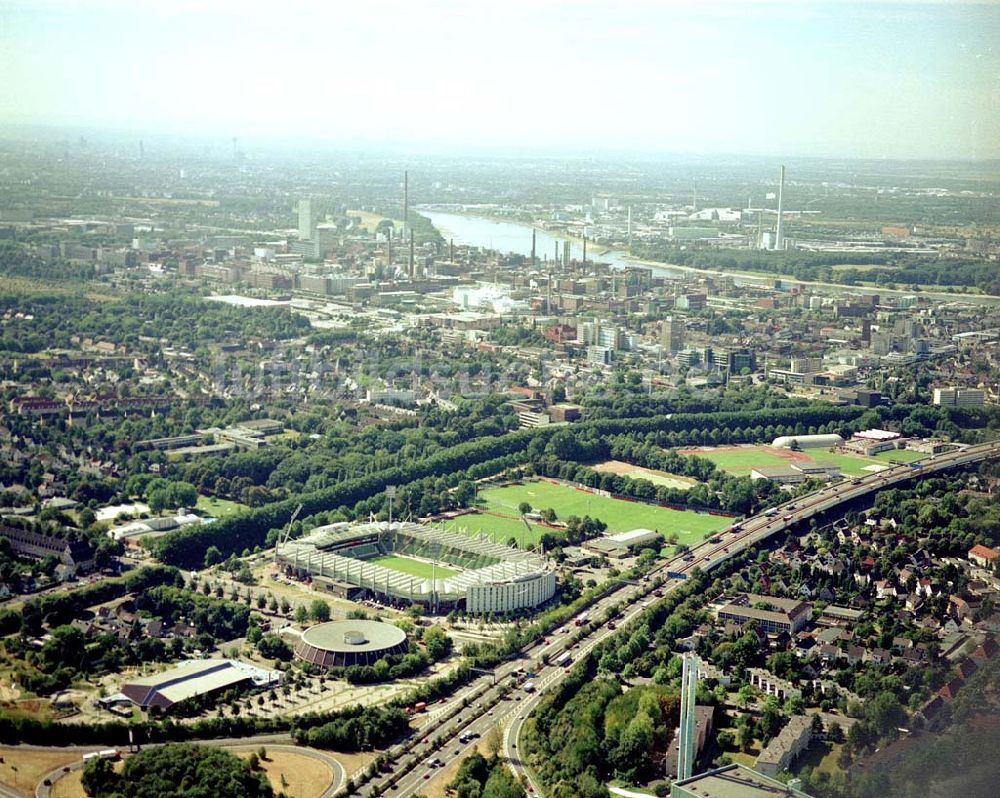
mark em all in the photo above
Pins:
pixel 983 556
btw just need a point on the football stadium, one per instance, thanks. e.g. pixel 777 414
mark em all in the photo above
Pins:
pixel 406 563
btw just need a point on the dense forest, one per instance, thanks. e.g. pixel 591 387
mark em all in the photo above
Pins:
pixel 177 771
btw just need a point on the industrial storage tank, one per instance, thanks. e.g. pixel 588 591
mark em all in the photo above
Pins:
pixel 808 441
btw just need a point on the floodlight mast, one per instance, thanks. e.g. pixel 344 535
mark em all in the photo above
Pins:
pixel 286 533
pixel 390 493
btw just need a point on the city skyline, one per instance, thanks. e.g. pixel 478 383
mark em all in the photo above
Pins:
pixel 827 79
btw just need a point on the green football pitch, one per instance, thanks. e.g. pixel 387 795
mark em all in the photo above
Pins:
pixel 418 568
pixel 739 460
pixel 501 505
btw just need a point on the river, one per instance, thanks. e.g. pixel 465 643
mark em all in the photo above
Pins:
pixel 515 238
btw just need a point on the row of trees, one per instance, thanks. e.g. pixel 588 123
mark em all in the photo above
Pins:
pixel 585 442
pixel 356 729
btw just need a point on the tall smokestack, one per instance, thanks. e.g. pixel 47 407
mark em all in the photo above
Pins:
pixel 779 235
pixel 532 247
pixel 585 250
pixel 451 250
pixel 406 201
pixel 413 273
pixel 630 227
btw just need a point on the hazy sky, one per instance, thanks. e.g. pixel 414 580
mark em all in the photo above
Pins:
pixel 802 77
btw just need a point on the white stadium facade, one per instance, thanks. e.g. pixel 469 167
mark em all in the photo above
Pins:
pixel 487 577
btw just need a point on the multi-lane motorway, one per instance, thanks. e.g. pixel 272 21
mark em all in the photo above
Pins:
pixel 478 707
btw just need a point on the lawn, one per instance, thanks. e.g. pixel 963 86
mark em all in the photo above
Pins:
pixel 618 514
pixel 821 756
pixel 418 568
pixel 851 465
pixel 218 508
pixel 22 769
pixel 739 460
pixel 294 774
pixel 903 455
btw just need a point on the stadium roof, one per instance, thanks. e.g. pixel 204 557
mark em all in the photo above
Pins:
pixel 327 551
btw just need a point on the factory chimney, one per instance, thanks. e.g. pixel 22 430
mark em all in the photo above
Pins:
pixel 413 273
pixel 779 235
pixel 532 247
pixel 406 201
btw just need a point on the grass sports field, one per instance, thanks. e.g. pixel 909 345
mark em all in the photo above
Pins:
pixel 619 515
pixel 418 568
pixel 218 508
pixel 740 459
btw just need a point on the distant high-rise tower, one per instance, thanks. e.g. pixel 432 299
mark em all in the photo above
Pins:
pixel 779 234
pixel 688 732
pixel 630 227
pixel 673 333
pixel 532 247
pixel 305 219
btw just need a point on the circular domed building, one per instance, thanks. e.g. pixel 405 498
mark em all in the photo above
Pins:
pixel 343 643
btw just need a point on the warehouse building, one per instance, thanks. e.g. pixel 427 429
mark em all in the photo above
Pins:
pixel 621 545
pixel 195 679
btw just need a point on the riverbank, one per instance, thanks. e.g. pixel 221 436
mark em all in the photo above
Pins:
pixel 562 235
pixel 495 232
